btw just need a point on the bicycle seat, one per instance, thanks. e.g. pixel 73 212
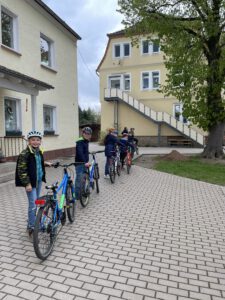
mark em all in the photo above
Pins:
pixel 53 186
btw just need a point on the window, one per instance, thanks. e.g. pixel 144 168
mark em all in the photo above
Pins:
pixel 150 47
pixel 121 50
pixel 150 80
pixel 145 81
pixel 9 28
pixel 120 82
pixel 49 113
pixel 12 117
pixel 126 79
pixel 126 49
pixel 117 50
pixel 47 51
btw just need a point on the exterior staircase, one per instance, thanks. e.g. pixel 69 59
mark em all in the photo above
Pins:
pixel 157 117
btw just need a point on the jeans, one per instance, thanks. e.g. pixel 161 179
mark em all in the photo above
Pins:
pixel 79 174
pixel 32 196
pixel 107 163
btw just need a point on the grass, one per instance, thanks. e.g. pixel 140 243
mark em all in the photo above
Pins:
pixel 194 168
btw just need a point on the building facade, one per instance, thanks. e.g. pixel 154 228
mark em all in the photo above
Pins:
pixel 38 77
pixel 129 80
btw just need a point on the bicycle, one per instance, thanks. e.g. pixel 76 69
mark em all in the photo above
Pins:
pixel 128 159
pixel 115 165
pixel 52 213
pixel 90 179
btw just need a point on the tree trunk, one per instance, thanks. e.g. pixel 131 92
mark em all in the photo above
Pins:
pixel 214 146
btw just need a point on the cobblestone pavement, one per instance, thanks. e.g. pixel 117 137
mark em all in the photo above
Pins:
pixel 151 235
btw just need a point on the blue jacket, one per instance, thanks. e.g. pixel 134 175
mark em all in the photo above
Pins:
pixel 82 150
pixel 110 143
pixel 125 144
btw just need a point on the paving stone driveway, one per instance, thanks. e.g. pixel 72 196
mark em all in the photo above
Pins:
pixel 151 235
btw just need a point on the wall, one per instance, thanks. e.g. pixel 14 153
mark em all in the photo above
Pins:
pixel 32 21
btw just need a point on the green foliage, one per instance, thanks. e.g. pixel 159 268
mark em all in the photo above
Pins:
pixel 194 168
pixel 88 116
pixel 191 35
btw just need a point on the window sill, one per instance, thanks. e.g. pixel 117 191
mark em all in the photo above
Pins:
pixel 51 135
pixel 49 68
pixel 11 50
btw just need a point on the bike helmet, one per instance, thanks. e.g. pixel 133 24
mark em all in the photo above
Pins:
pixel 34 133
pixel 87 130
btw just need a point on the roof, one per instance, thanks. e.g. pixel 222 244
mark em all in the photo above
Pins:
pixel 16 74
pixel 57 18
pixel 116 33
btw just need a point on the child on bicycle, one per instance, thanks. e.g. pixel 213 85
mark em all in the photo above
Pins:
pixel 82 157
pixel 110 141
pixel 124 147
pixel 30 172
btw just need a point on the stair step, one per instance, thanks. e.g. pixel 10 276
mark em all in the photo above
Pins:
pixel 7 176
pixel 7 167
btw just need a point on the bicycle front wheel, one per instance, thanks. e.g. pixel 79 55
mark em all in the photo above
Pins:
pixel 118 168
pixel 70 203
pixel 45 231
pixel 85 190
pixel 96 177
pixel 112 173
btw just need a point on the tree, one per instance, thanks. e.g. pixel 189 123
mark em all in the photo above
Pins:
pixel 88 116
pixel 191 34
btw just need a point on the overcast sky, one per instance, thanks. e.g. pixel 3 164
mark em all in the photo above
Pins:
pixel 92 20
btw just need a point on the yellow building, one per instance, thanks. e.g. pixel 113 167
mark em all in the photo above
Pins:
pixel 129 79
pixel 38 78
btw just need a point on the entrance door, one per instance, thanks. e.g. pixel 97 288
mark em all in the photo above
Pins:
pixel 115 82
pixel 177 112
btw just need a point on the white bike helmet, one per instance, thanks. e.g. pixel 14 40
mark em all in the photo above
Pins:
pixel 34 133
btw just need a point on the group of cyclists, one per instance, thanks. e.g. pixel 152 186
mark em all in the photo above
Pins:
pixel 30 168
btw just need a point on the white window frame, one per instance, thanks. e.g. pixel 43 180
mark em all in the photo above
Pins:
pixel 54 108
pixel 18 113
pixel 15 29
pixel 150 79
pixel 150 48
pixel 51 43
pixel 181 118
pixel 121 77
pixel 122 51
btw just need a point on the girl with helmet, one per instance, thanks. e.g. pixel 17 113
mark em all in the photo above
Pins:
pixel 30 172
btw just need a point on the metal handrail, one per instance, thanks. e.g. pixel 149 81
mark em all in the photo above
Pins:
pixel 180 126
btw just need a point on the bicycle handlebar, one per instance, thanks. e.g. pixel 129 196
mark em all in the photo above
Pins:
pixel 58 164
pixel 95 152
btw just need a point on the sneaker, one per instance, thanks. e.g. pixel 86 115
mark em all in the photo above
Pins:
pixel 106 176
pixel 30 231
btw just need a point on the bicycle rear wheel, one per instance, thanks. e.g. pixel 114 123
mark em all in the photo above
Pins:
pixel 70 203
pixel 96 177
pixel 85 190
pixel 45 231
pixel 112 173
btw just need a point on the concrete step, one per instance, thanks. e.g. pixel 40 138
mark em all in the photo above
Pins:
pixel 7 172
pixel 7 167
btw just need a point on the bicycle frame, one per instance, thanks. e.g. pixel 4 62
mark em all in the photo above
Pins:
pixel 55 190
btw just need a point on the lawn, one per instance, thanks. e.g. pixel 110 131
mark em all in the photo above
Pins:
pixel 194 167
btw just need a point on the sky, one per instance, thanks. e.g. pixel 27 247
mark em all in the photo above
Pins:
pixel 91 20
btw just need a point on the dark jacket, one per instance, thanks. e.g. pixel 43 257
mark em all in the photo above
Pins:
pixel 82 150
pixel 125 144
pixel 110 143
pixel 26 170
